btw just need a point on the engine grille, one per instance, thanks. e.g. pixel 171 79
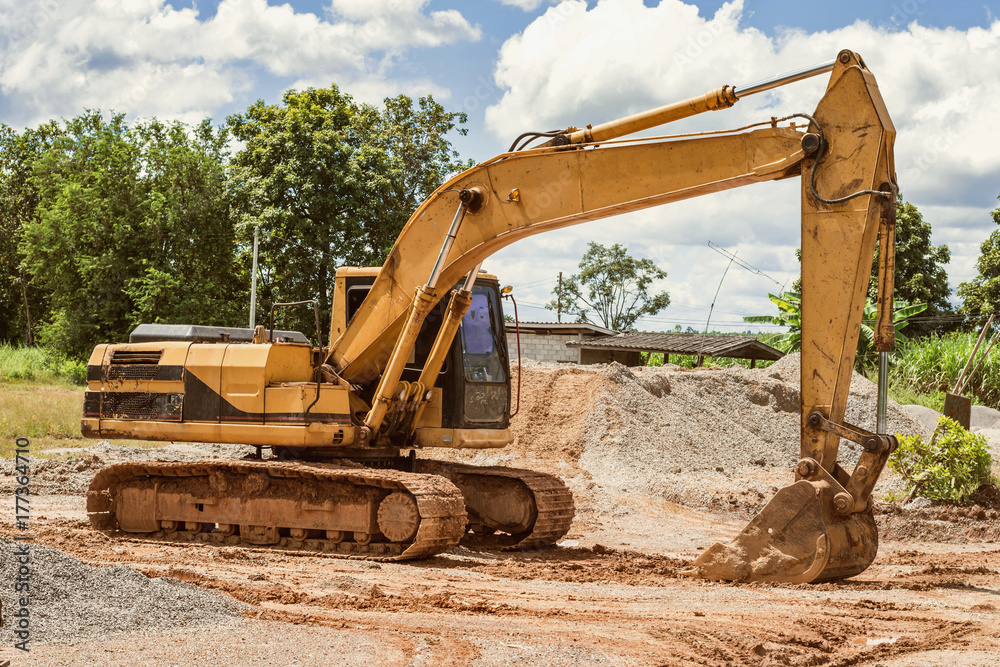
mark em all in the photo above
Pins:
pixel 141 405
pixel 129 357
pixel 138 372
pixel 134 365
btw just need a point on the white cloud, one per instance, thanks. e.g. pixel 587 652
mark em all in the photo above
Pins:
pixel 146 57
pixel 526 5
pixel 573 65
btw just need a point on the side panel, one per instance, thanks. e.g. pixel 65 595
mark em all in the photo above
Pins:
pixel 288 404
pixel 243 384
pixel 203 383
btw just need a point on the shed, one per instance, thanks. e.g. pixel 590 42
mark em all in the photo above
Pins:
pixel 549 341
pixel 600 349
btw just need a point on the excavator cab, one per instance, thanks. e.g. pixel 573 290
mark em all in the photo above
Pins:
pixel 474 379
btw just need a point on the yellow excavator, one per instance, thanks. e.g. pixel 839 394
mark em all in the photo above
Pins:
pixel 407 369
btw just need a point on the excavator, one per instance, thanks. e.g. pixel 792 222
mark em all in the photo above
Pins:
pixel 417 358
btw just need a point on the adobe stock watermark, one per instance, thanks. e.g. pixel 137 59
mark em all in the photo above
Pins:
pixel 902 13
pixel 484 92
pixel 550 193
pixel 149 79
pixel 30 26
pixel 929 159
pixel 696 45
pixel 555 16
pixel 20 619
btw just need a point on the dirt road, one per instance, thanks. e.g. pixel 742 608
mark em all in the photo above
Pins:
pixel 587 604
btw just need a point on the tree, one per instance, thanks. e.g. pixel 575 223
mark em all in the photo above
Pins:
pixel 191 275
pixel 981 295
pixel 22 302
pixel 920 275
pixel 132 224
pixel 332 182
pixel 616 285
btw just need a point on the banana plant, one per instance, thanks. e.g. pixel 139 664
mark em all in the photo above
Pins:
pixel 790 315
pixel 901 312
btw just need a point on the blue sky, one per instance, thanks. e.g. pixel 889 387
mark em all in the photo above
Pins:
pixel 514 65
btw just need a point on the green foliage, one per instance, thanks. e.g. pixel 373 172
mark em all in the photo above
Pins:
pixel 789 315
pixel 981 295
pixel 332 182
pixel 933 364
pixel 21 302
pixel 616 285
pixel 920 273
pixel 950 467
pixel 132 224
pixel 36 364
pixel 901 312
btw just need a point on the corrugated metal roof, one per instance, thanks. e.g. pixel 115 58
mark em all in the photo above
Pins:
pixel 561 327
pixel 738 347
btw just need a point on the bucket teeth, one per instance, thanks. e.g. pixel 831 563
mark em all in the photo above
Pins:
pixel 796 538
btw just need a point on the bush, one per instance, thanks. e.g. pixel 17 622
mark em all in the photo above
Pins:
pixel 39 364
pixel 950 467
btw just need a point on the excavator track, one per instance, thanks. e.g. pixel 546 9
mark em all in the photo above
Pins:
pixel 551 503
pixel 432 508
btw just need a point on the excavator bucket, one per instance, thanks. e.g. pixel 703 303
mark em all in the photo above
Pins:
pixel 797 538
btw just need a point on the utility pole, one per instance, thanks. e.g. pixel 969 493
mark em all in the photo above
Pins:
pixel 253 280
pixel 559 301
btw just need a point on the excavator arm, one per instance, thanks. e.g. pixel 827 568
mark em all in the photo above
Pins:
pixel 821 527
pixel 517 195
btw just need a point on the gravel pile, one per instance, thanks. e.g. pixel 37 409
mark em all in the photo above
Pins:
pixel 653 430
pixel 54 476
pixel 72 602
pixel 685 436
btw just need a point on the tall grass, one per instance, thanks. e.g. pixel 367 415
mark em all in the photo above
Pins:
pixel 39 401
pixel 932 365
pixel 38 411
pixel 36 364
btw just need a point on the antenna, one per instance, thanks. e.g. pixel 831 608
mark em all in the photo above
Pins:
pixel 732 258
pixel 752 269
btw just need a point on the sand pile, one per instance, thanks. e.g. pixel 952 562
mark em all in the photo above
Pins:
pixel 72 602
pixel 676 434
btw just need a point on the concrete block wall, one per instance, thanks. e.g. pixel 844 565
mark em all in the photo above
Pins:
pixel 551 347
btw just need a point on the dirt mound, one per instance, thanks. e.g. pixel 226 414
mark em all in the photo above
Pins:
pixel 967 522
pixel 554 410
